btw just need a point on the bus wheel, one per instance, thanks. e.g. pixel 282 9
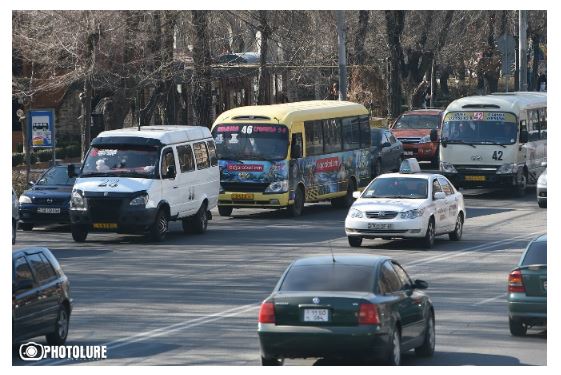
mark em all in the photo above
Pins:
pixel 347 200
pixel 225 210
pixel 298 206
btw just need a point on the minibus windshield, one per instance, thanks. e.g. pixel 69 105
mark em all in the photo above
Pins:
pixel 480 128
pixel 251 141
pixel 121 161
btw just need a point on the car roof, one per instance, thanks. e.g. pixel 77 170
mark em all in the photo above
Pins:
pixel 424 112
pixel 426 176
pixel 165 134
pixel 28 250
pixel 542 238
pixel 350 260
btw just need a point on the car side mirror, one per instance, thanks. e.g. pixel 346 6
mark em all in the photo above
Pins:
pixel 439 195
pixel 386 144
pixel 71 169
pixel 170 172
pixel 24 285
pixel 420 284
pixel 30 184
pixel 356 194
pixel 433 135
pixel 544 164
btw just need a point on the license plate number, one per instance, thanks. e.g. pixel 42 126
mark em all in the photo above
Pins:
pixel 242 197
pixel 47 210
pixel 105 226
pixel 408 153
pixel 379 226
pixel 316 315
pixel 475 178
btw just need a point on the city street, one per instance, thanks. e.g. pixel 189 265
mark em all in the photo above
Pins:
pixel 193 300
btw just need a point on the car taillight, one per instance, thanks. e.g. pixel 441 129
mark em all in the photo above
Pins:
pixel 515 284
pixel 267 313
pixel 368 314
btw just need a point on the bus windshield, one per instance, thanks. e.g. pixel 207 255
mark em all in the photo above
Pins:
pixel 480 128
pixel 251 142
pixel 121 161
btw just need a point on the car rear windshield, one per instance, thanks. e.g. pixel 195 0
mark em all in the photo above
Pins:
pixel 536 254
pixel 329 277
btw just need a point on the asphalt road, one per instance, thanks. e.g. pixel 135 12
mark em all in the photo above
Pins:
pixel 193 300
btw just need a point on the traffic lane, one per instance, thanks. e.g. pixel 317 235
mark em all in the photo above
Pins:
pixel 325 212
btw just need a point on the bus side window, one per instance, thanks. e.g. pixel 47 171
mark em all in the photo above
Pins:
pixel 296 146
pixel 314 138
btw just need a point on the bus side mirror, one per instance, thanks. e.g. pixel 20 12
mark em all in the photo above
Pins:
pixel 296 147
pixel 71 171
pixel 523 136
pixel 433 135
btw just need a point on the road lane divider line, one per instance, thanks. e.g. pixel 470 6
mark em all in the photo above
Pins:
pixel 492 299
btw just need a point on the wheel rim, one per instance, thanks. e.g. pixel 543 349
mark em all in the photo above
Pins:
pixel 62 324
pixel 431 334
pixel 431 233
pixel 162 225
pixel 396 349
pixel 459 226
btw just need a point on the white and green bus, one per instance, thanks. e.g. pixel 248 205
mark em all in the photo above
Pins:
pixel 497 140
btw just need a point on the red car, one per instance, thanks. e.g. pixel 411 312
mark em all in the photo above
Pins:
pixel 419 131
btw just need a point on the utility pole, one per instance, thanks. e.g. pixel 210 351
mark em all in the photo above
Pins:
pixel 342 55
pixel 522 46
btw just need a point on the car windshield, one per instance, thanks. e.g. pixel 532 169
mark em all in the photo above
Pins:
pixel 397 187
pixel 536 254
pixel 56 176
pixel 418 122
pixel 251 142
pixel 329 277
pixel 121 161
pixel 480 127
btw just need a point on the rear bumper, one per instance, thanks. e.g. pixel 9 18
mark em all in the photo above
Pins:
pixel 322 342
pixel 527 307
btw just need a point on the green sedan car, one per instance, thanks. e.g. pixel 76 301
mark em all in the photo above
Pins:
pixel 361 306
pixel 527 289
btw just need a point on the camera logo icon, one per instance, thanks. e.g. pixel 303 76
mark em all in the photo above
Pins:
pixel 31 351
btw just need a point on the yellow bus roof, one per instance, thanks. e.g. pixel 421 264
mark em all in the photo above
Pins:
pixel 289 112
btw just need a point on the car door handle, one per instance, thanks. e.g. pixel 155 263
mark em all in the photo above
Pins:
pixel 175 187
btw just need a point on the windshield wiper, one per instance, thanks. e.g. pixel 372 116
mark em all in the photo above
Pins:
pixel 97 174
pixel 493 143
pixel 459 141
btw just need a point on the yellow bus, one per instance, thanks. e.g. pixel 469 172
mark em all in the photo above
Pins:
pixel 283 155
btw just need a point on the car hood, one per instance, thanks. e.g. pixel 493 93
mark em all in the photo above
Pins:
pixel 387 204
pixel 53 191
pixel 411 132
pixel 112 184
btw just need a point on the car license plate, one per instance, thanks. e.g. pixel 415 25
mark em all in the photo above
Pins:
pixel 242 197
pixel 105 226
pixel 408 153
pixel 474 178
pixel 316 315
pixel 378 226
pixel 48 210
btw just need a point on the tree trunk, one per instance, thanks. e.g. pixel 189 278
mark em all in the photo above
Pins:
pixel 394 29
pixel 263 78
pixel 535 63
pixel 86 99
pixel 360 37
pixel 202 95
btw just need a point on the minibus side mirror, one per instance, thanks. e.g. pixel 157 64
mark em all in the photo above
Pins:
pixel 523 136
pixel 170 172
pixel 433 135
pixel 71 171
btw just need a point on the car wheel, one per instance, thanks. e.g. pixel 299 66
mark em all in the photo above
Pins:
pixel 428 240
pixel 159 229
pixel 429 342
pixel 199 222
pixel 297 208
pixel 394 351
pixel 542 203
pixel 355 241
pixel 347 200
pixel 272 361
pixel 26 227
pixel 517 327
pixel 225 210
pixel 79 233
pixel 456 235
pixel 14 225
pixel 58 336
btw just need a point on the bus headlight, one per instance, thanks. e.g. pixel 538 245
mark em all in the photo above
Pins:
pixel 77 201
pixel 412 214
pixel 447 167
pixel 277 187
pixel 509 168
pixel 355 214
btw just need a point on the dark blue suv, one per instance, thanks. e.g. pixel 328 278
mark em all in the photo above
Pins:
pixel 47 201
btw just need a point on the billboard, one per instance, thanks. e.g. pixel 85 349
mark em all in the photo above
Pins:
pixel 42 126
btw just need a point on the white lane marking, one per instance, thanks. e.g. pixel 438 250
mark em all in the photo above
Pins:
pixel 163 330
pixel 502 295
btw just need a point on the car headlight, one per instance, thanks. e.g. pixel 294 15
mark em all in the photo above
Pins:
pixel 277 187
pixel 77 201
pixel 542 181
pixel 356 214
pixel 412 214
pixel 447 167
pixel 141 200
pixel 507 168
pixel 425 139
pixel 24 199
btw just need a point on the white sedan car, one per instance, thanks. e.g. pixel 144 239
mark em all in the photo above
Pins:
pixel 409 204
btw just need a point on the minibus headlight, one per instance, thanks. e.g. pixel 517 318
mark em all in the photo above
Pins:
pixel 141 200
pixel 77 201
pixel 277 187
pixel 447 167
pixel 509 168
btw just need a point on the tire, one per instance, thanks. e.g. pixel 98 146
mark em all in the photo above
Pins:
pixel 14 231
pixel 159 230
pixel 517 327
pixel 297 208
pixel 428 240
pixel 60 333
pixel 394 351
pixel 272 361
pixel 429 342
pixel 456 234
pixel 225 210
pixel 199 222
pixel 26 227
pixel 79 233
pixel 347 200
pixel 521 184
pixel 355 241
pixel 542 203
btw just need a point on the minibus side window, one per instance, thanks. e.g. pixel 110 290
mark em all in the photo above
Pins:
pixel 186 160
pixel 201 155
pixel 212 153
pixel 168 164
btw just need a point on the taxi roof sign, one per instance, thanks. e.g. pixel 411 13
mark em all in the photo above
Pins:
pixel 409 166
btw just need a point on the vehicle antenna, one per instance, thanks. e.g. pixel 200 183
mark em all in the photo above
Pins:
pixel 278 121
pixel 331 248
